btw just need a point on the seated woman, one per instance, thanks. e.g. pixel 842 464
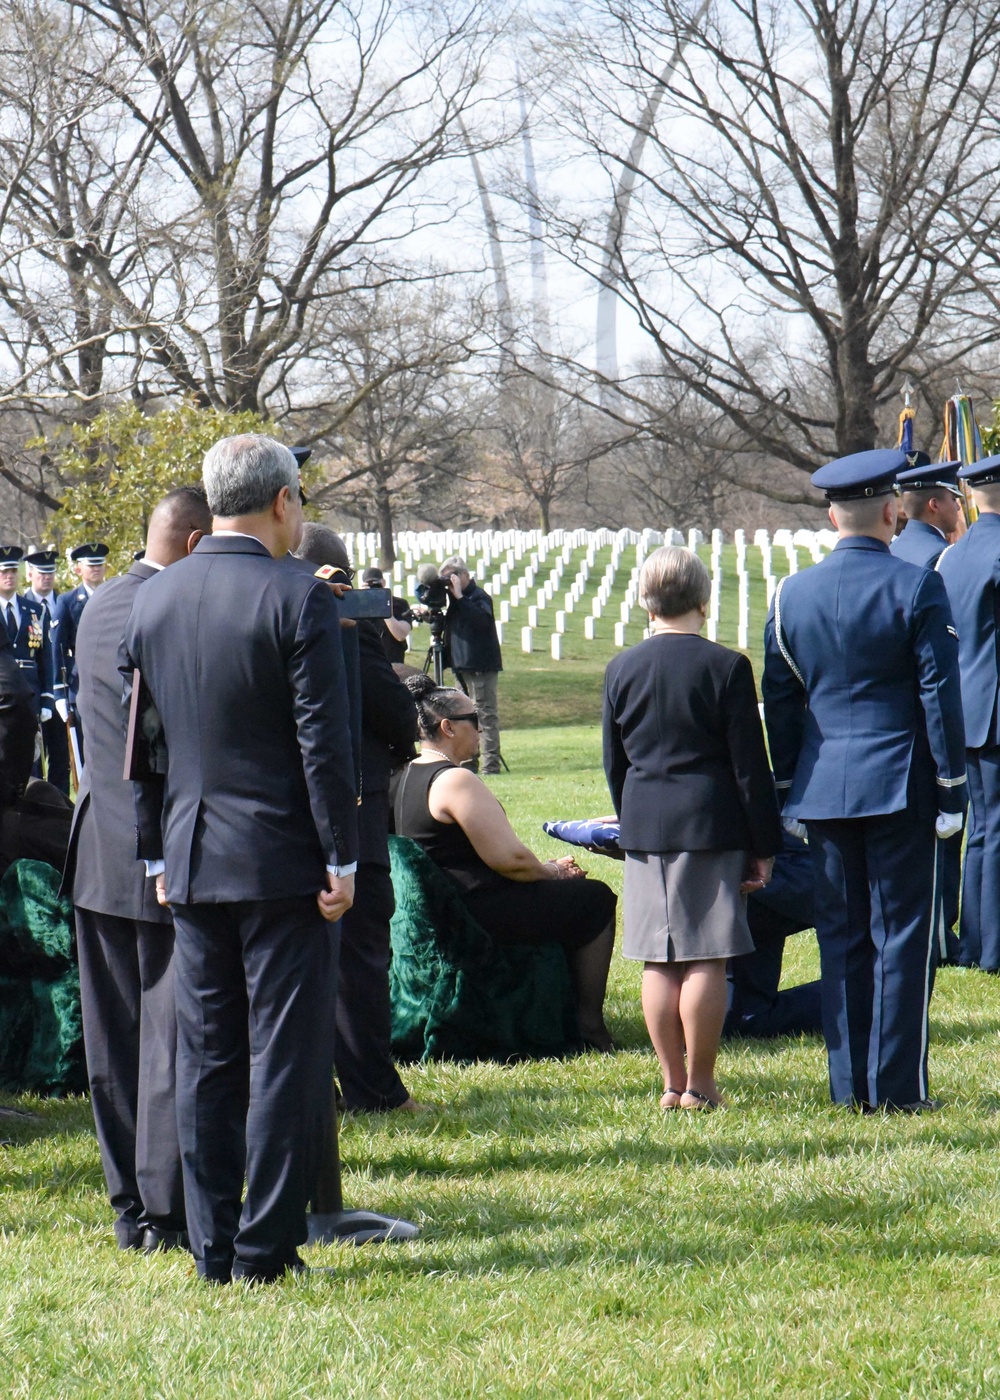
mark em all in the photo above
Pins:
pixel 513 895
pixel 686 764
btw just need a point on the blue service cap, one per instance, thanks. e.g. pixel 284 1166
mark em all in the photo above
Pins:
pixel 10 556
pixel 928 476
pixel 301 455
pixel 981 473
pixel 862 475
pixel 42 560
pixel 90 554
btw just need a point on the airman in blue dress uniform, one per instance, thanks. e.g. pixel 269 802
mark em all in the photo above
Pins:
pixel 932 502
pixel 90 563
pixel 27 625
pixel 864 718
pixel 41 566
pixel 971 573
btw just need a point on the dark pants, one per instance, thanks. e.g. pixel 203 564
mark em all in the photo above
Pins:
pixel 254 1064
pixel 878 915
pixel 130 1036
pixel 756 1007
pixel 57 752
pixel 979 931
pixel 367 1075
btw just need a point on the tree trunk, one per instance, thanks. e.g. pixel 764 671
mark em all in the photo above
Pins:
pixel 383 511
pixel 544 509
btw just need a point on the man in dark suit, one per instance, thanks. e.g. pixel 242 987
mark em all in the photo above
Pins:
pixel 124 936
pixel 41 567
pixel 932 501
pixel 369 1080
pixel 971 573
pixel 864 719
pixel 254 818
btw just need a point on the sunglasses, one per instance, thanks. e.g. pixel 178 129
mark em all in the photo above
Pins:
pixel 472 717
pixel 340 575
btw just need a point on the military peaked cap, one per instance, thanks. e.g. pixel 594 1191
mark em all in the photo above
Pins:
pixel 861 475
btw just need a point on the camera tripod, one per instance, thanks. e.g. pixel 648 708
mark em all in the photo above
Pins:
pixel 434 660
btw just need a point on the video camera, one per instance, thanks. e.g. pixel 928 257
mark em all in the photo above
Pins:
pixel 432 591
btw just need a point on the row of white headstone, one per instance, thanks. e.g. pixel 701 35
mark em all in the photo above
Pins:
pixel 505 551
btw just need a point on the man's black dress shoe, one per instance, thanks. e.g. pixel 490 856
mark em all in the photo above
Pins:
pixel 155 1240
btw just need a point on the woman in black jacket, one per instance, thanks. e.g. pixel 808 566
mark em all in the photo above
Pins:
pixel 686 764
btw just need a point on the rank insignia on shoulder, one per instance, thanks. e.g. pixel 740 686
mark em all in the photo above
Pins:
pixel 952 631
pixel 325 571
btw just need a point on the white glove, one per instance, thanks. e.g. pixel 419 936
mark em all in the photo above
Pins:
pixel 948 824
pixel 45 715
pixel 62 710
pixel 795 828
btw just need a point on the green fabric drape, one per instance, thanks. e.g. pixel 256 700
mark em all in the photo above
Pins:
pixel 458 995
pixel 41 1036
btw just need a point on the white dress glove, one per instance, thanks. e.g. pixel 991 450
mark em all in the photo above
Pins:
pixel 948 824
pixel 45 716
pixel 795 828
pixel 62 710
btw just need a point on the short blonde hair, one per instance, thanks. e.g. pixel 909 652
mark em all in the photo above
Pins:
pixel 673 581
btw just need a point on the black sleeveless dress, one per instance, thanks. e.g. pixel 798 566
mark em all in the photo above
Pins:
pixel 569 912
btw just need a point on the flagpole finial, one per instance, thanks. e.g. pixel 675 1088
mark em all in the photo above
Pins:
pixel 907 391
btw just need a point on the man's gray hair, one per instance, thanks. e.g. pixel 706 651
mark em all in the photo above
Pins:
pixel 455 563
pixel 243 474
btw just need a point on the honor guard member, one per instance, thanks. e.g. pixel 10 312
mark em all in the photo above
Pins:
pixel 90 563
pixel 864 718
pixel 971 573
pixel 27 626
pixel 932 502
pixel 41 567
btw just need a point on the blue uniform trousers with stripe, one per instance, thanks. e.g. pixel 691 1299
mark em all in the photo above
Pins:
pixel 878 918
pixel 979 930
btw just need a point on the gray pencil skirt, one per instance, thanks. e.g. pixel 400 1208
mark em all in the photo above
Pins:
pixel 683 906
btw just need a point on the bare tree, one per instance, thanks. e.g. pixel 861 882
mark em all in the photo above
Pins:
pixel 816 213
pixel 188 192
pixel 404 446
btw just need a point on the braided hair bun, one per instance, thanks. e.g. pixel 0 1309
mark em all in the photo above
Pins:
pixel 419 684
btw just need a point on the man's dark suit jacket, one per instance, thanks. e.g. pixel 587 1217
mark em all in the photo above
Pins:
pixel 102 872
pixel 388 732
pixel 684 750
pixel 242 657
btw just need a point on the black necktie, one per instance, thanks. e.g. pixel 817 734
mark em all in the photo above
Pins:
pixel 11 622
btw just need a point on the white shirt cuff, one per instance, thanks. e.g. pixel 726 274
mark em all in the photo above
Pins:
pixel 155 867
pixel 341 870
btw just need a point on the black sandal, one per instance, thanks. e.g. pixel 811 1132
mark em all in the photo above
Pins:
pixel 704 1104
pixel 670 1107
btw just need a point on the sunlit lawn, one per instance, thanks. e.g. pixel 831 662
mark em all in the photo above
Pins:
pixel 576 1241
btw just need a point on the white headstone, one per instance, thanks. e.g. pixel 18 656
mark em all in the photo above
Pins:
pixel 619 634
pixel 588 628
pixel 526 639
pixel 555 643
pixel 560 622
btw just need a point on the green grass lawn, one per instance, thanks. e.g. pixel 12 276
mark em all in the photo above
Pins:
pixel 576 1241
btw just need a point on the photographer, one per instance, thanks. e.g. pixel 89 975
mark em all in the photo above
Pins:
pixel 393 631
pixel 474 652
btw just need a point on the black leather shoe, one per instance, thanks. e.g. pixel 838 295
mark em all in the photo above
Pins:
pixel 156 1241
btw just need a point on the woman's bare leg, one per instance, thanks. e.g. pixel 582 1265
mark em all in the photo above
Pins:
pixel 702 1010
pixel 661 989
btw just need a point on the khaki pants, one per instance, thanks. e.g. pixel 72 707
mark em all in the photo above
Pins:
pixel 481 687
